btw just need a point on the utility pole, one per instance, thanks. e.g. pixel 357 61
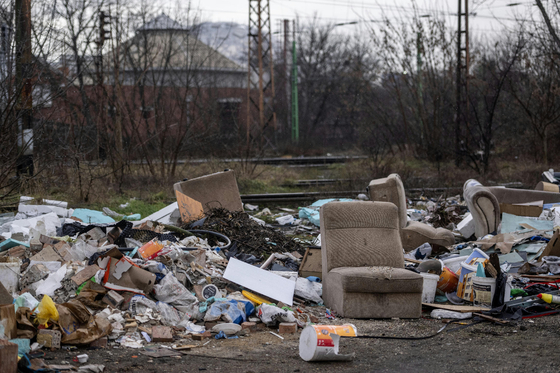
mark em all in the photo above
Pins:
pixel 286 73
pixel 24 73
pixel 462 130
pixel 295 113
pixel 103 35
pixel 260 109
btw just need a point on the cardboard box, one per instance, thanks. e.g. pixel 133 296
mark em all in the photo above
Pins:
pixel 533 209
pixel 212 191
pixel 553 246
pixel 311 264
pixel 8 356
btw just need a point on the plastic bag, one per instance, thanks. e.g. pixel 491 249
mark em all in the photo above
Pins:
pixel 270 315
pixel 232 311
pixel 169 315
pixel 309 290
pixel 26 300
pixel 171 291
pixel 51 283
pixel 155 267
pixel 46 311
pixel 139 304
pixel 191 327
pixel 445 314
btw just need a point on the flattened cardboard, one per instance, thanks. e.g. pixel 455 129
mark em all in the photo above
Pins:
pixel 311 264
pixel 85 274
pixel 533 209
pixel 48 254
pixel 212 191
pixel 134 279
pixel 190 208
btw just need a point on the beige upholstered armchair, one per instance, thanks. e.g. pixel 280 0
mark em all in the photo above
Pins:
pixel 413 233
pixel 363 263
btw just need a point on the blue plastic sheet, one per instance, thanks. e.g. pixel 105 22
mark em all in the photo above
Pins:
pixel 311 213
pixel 92 217
pixel 235 310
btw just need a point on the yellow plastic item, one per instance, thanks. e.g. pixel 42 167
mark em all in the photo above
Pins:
pixel 254 298
pixel 46 310
pixel 549 298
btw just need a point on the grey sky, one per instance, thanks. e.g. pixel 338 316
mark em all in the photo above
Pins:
pixel 491 15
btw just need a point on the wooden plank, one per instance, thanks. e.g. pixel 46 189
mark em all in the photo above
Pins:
pixel 452 307
pixel 490 318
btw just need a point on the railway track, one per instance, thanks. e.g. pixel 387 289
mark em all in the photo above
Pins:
pixel 312 196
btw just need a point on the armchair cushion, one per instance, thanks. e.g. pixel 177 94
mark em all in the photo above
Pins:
pixel 416 234
pixel 390 189
pixel 360 234
pixel 376 280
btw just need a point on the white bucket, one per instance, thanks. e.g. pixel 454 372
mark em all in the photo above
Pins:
pixel 9 273
pixel 320 342
pixel 429 287
pixel 483 290
pixel 454 264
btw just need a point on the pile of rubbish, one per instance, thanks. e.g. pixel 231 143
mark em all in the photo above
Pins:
pixel 79 278
pixel 196 270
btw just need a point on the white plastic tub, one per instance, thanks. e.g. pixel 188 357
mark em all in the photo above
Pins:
pixel 483 291
pixel 454 264
pixel 429 287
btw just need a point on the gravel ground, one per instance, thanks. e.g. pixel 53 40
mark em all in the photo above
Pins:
pixel 525 346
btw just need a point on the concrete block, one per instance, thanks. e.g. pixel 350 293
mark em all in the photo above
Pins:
pixel 34 274
pixel 162 334
pixel 287 328
pixel 113 299
pixel 251 326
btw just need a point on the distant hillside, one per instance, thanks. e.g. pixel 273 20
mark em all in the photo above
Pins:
pixel 228 38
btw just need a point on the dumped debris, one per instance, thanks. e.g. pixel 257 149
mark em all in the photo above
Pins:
pixel 164 288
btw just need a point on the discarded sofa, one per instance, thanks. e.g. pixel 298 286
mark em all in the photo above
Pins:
pixel 513 196
pixel 484 207
pixel 363 263
pixel 413 233
pixel 484 203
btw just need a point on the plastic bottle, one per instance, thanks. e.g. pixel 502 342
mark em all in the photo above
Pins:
pixel 549 298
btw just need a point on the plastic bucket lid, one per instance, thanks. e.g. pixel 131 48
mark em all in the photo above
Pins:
pixel 477 253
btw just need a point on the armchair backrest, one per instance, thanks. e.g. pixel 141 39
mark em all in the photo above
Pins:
pixel 360 234
pixel 390 189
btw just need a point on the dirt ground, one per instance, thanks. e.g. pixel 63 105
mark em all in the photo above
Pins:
pixel 527 346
